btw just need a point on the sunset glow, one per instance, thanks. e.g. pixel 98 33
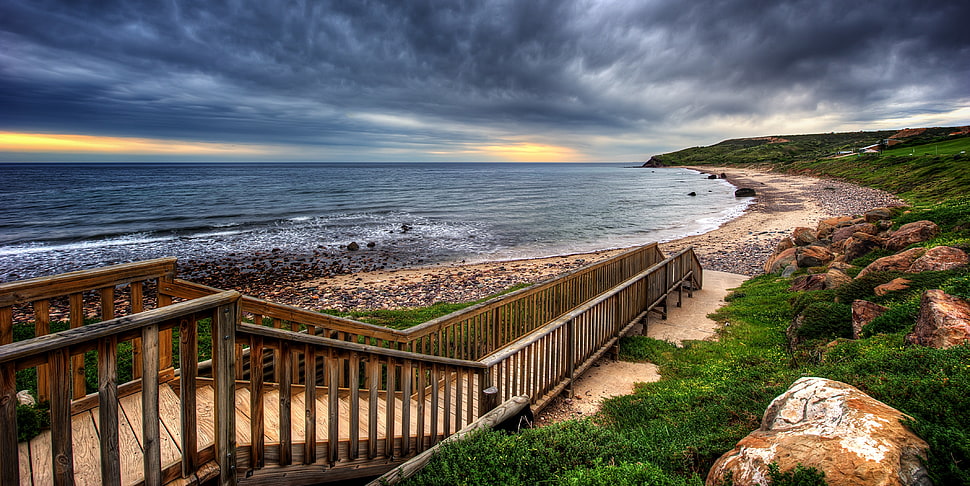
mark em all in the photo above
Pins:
pixel 49 142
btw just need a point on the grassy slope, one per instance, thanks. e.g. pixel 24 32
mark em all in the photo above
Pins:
pixel 713 393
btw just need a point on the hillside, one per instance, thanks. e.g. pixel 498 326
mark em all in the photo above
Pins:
pixel 780 150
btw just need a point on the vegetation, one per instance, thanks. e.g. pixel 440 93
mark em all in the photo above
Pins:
pixel 713 393
pixel 412 316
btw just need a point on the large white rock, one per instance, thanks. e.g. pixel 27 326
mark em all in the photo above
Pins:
pixel 831 426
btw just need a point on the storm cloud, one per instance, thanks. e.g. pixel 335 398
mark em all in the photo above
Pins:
pixel 404 80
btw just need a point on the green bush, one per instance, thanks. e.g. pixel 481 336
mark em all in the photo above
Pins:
pixel 800 476
pixel 899 318
pixel 624 474
pixel 30 421
pixel 862 287
pixel 826 321
pixel 800 300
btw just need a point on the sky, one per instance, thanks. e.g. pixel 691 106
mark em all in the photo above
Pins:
pixel 464 80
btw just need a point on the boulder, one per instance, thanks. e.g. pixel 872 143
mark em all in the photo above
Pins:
pixel 744 192
pixel 838 222
pixel 712 176
pixel 353 246
pixel 723 175
pixel 907 234
pixel 803 236
pixel 851 437
pixel 25 398
pixel 893 285
pixel 845 232
pixel 784 244
pixel 863 312
pixel 900 262
pixel 812 256
pixel 859 245
pixel 835 278
pixel 878 214
pixel 939 258
pixel 823 230
pixel 692 193
pixel 778 262
pixel 808 282
pixel 943 322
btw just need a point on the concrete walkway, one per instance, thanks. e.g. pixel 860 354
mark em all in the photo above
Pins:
pixel 608 378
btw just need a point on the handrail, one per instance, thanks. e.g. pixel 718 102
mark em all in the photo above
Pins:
pixel 55 350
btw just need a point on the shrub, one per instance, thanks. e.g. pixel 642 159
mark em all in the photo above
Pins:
pixel 30 421
pixel 899 318
pixel 624 474
pixel 825 320
pixel 800 476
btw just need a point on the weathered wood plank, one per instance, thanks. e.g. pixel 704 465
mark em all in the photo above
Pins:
pixel 76 313
pixel 224 320
pixel 108 411
pixel 256 454
pixel 310 405
pixel 68 283
pixel 9 467
pixel 188 419
pixel 151 436
pixel 285 364
pixel 62 453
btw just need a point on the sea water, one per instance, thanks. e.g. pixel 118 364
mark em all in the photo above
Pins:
pixel 63 217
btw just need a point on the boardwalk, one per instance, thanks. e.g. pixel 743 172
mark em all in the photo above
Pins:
pixel 379 396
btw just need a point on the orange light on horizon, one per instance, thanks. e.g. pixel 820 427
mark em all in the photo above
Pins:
pixel 532 152
pixel 51 142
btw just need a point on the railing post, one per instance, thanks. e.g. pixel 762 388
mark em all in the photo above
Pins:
pixel 223 346
pixel 488 393
pixel 9 463
pixel 571 353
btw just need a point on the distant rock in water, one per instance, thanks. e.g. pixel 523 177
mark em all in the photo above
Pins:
pixel 712 176
pixel 691 193
pixel 744 192
pixel 653 162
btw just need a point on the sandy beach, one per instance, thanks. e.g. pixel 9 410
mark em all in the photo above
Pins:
pixel 739 246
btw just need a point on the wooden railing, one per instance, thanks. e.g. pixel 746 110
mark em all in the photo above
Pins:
pixel 543 363
pixel 55 351
pixel 379 394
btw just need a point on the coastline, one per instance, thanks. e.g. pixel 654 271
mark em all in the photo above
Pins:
pixel 739 246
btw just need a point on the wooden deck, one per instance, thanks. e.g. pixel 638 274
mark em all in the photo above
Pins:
pixel 35 456
pixel 378 396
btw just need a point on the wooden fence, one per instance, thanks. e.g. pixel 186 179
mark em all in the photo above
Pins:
pixel 297 388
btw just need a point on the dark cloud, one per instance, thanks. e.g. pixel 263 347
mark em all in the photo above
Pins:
pixel 300 72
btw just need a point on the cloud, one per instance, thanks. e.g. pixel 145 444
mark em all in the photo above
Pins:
pixel 419 79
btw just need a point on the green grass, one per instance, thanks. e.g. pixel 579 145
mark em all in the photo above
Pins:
pixel 714 393
pixel 945 147
pixel 412 316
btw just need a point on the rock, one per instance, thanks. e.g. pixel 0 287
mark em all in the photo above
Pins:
pixel 907 234
pixel 691 193
pixel 712 176
pixel 784 244
pixel 371 244
pixel 838 222
pixel 863 312
pixel 893 285
pixel 878 214
pixel 859 245
pixel 835 278
pixel 900 262
pixel 744 192
pixel 943 322
pixel 840 266
pixel 353 246
pixel 808 282
pixel 939 258
pixel 776 263
pixel 653 162
pixel 851 437
pixel 812 256
pixel 803 236
pixel 723 175
pixel 845 232
pixel 25 398
pixel 823 230
pixel 789 271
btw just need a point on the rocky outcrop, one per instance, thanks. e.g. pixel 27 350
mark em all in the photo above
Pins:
pixel 842 234
pixel 835 278
pixel 908 234
pixel 900 262
pixel 859 245
pixel 812 256
pixel 943 322
pixel 878 214
pixel 653 162
pixel 778 262
pixel 863 312
pixel 939 258
pixel 803 236
pixel 851 437
pixel 893 285
pixel 744 192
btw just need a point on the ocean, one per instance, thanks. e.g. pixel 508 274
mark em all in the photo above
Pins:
pixel 62 217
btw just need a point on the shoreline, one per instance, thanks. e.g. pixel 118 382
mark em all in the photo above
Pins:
pixel 738 246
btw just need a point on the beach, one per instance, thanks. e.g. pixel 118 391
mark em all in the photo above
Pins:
pixel 364 280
